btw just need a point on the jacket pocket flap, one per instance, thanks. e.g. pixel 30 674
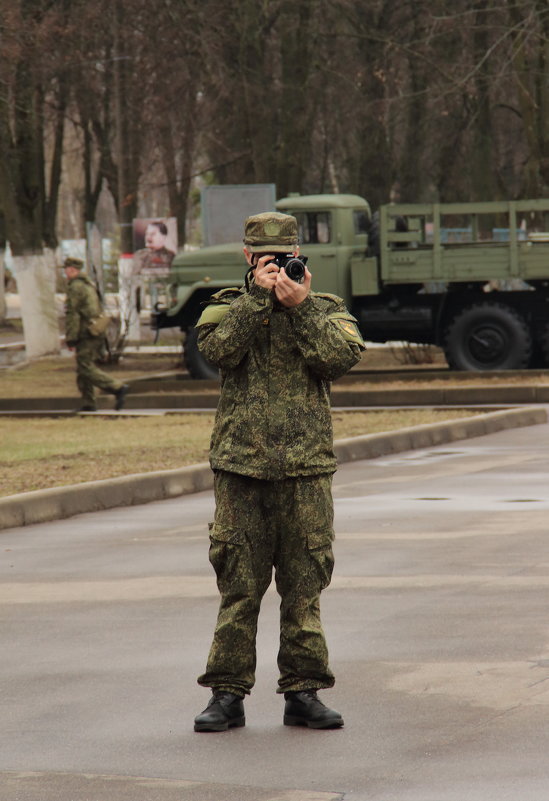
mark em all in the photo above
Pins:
pixel 225 534
pixel 322 538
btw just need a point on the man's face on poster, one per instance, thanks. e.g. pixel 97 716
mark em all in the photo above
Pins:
pixel 154 238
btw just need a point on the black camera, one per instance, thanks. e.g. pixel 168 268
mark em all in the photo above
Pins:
pixel 294 267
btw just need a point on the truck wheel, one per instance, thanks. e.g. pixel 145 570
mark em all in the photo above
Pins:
pixel 488 336
pixel 196 364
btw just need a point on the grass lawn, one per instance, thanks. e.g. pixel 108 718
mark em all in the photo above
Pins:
pixel 41 452
pixel 56 377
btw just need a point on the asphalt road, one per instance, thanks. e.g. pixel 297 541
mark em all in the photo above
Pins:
pixel 437 622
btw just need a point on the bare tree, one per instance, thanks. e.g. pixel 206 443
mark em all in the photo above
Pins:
pixel 32 89
pixel 312 95
pixel 530 59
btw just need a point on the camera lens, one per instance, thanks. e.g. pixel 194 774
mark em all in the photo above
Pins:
pixel 295 269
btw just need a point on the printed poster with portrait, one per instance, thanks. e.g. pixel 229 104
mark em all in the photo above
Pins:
pixel 154 246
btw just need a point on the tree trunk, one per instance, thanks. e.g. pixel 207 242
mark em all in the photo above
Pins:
pixel 128 135
pixel 298 102
pixel 531 64
pixel 35 276
pixel 51 201
pixel 179 185
pixel 21 197
pixel 482 157
pixel 3 310
pixel 412 172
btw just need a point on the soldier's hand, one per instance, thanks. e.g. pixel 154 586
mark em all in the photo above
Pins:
pixel 289 292
pixel 266 272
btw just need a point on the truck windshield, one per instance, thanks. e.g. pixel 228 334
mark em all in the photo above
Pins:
pixel 315 227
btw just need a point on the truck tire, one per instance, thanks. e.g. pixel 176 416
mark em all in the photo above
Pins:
pixel 196 364
pixel 488 336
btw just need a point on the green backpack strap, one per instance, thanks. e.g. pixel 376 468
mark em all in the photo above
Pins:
pixel 213 314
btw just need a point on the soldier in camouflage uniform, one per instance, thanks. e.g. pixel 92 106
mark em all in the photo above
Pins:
pixel 278 346
pixel 82 306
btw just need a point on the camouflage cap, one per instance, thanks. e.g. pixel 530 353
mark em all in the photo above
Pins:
pixel 70 261
pixel 270 232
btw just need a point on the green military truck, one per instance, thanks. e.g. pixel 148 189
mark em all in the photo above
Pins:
pixel 442 274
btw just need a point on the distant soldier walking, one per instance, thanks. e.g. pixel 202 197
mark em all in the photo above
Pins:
pixel 83 306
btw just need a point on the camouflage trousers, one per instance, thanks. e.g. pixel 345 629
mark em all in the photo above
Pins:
pixel 88 376
pixel 260 525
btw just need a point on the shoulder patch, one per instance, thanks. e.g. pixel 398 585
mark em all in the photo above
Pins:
pixel 346 324
pixel 213 314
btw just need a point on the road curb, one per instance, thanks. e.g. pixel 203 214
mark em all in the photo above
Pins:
pixel 370 446
pixel 42 506
pixel 206 396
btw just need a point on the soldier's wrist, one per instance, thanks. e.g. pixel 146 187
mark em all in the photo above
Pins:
pixel 304 307
pixel 261 294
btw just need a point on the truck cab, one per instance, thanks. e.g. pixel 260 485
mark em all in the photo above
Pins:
pixel 333 230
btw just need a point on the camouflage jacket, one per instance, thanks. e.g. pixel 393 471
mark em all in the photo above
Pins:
pixel 273 420
pixel 82 305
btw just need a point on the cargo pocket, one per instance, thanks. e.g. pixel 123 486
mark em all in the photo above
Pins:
pixel 321 554
pixel 228 553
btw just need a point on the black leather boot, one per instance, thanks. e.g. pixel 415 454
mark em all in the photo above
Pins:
pixel 224 711
pixel 120 396
pixel 304 709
